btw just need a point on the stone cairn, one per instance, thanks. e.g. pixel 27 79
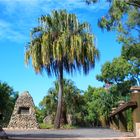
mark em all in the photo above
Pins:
pixel 23 116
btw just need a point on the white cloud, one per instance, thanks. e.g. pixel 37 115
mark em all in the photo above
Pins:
pixel 29 2
pixel 6 32
pixel 19 16
pixel 52 4
pixel 12 6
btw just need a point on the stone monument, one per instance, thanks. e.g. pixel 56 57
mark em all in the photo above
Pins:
pixel 23 116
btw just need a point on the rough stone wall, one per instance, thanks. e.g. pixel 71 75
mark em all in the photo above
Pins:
pixel 48 119
pixel 23 120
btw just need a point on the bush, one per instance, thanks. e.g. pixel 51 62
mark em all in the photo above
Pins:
pixel 68 126
pixel 45 126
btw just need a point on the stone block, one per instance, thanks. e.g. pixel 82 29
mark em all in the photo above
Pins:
pixel 137 129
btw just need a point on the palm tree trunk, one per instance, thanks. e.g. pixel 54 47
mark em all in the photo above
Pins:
pixel 60 93
pixel 63 113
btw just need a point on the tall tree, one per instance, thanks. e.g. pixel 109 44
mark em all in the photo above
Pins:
pixel 72 100
pixel 61 43
pixel 132 54
pixel 115 72
pixel 124 17
pixel 98 105
pixel 118 76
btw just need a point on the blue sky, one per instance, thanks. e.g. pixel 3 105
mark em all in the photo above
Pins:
pixel 18 17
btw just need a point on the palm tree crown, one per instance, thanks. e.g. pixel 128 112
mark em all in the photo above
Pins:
pixel 61 38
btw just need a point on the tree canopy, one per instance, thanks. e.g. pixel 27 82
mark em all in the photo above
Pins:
pixel 7 100
pixel 60 37
pixel 72 101
pixel 124 17
pixel 132 54
pixel 115 72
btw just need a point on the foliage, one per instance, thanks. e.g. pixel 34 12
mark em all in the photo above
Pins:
pixel 61 43
pixel 68 126
pixel 118 74
pixel 7 100
pixel 90 109
pixel 45 126
pixel 132 54
pixel 100 101
pixel 121 91
pixel 98 104
pixel 121 69
pixel 114 72
pixel 129 120
pixel 61 38
pixel 39 115
pixel 50 126
pixel 123 16
pixel 72 101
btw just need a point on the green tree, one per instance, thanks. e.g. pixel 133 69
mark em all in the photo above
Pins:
pixel 124 17
pixel 98 105
pixel 61 43
pixel 132 54
pixel 115 72
pixel 48 105
pixel 7 101
pixel 72 101
pixel 135 3
pixel 39 114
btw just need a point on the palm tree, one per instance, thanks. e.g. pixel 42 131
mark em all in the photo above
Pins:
pixel 72 101
pixel 61 43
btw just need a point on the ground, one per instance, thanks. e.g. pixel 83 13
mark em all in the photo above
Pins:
pixel 72 133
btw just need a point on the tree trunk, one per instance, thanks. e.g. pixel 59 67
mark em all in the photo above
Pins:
pixel 60 94
pixel 63 113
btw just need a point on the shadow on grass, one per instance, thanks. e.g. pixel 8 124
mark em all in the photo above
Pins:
pixel 3 135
